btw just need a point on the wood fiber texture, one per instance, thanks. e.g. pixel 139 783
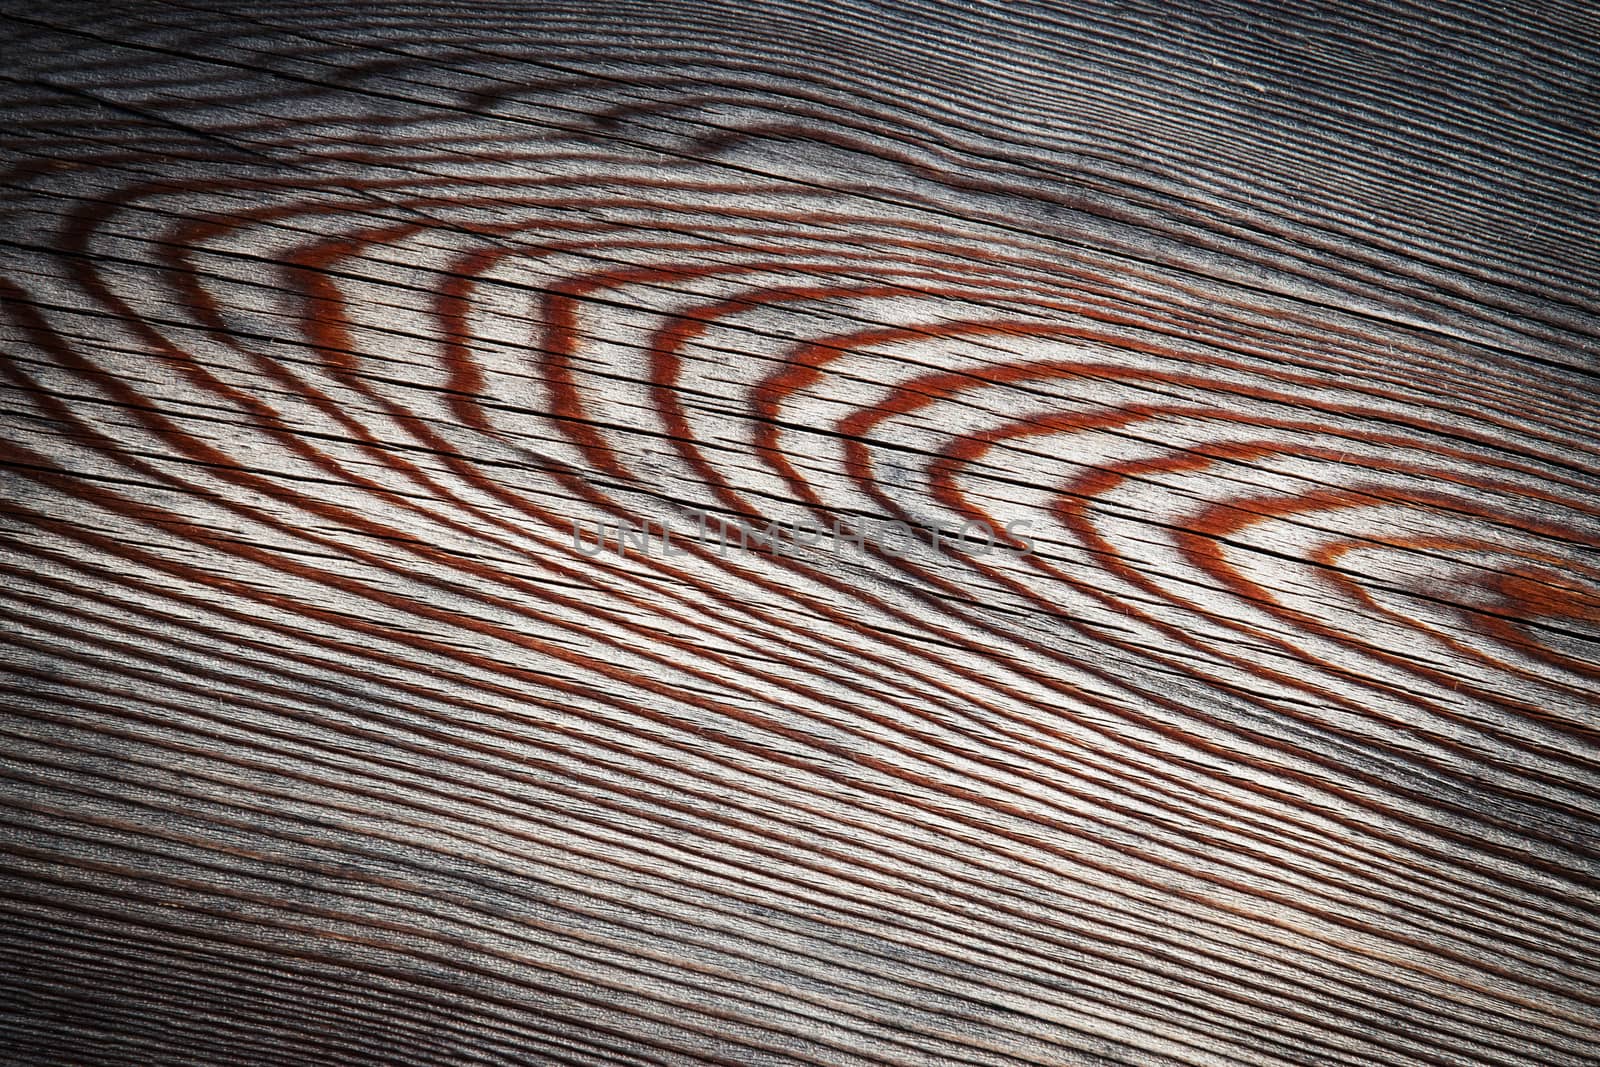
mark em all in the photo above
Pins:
pixel 1270 329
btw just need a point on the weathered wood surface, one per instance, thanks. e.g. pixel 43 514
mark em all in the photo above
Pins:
pixel 323 325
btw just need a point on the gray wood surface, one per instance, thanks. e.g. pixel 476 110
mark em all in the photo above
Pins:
pixel 330 334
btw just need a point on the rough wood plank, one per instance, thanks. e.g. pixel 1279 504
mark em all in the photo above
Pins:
pixel 1266 736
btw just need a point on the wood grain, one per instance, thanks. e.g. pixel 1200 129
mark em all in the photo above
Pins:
pixel 327 741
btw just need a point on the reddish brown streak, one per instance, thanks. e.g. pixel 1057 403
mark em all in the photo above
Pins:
pixel 335 736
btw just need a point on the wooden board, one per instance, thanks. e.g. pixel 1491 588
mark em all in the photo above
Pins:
pixel 1261 340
